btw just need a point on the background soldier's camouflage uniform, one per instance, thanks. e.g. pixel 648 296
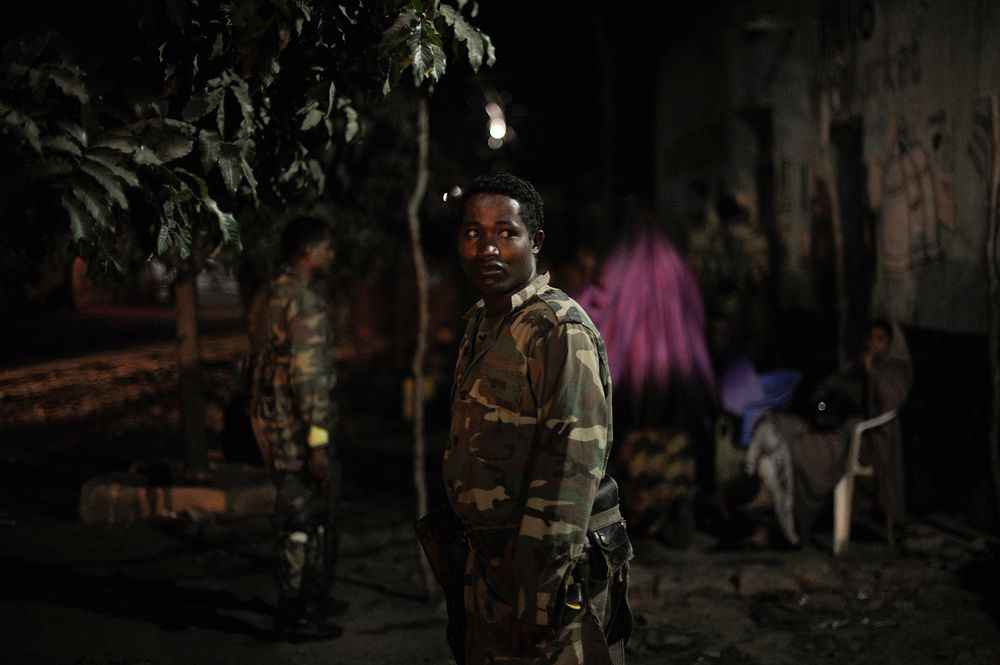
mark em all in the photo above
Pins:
pixel 529 441
pixel 293 374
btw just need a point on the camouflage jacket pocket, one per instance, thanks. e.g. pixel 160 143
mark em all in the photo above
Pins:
pixel 489 413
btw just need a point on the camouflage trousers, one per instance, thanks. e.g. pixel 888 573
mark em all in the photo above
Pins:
pixel 489 594
pixel 306 545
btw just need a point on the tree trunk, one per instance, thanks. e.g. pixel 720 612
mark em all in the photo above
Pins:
pixel 423 323
pixel 190 386
pixel 993 271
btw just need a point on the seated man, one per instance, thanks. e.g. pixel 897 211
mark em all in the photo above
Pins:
pixel 794 464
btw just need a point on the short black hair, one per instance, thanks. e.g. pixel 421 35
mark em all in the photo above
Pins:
pixel 884 324
pixel 519 189
pixel 300 233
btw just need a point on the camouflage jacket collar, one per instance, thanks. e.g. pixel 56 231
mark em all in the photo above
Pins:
pixel 538 285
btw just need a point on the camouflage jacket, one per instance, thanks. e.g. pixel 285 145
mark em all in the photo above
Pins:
pixel 293 371
pixel 530 437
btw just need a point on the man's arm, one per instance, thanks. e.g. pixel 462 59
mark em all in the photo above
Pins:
pixel 566 467
pixel 312 374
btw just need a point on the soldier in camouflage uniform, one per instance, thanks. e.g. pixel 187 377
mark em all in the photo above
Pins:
pixel 529 440
pixel 292 415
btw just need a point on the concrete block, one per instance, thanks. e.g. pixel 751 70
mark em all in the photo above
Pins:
pixel 128 497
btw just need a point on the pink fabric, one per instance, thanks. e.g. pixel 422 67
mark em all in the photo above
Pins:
pixel 648 308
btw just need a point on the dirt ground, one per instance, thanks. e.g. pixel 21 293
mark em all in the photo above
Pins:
pixel 198 589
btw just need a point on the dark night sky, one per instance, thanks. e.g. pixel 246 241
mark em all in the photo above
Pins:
pixel 579 80
pixel 555 71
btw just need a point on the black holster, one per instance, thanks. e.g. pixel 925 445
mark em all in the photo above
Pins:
pixel 608 553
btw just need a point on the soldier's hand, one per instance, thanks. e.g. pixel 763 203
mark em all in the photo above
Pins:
pixel 319 465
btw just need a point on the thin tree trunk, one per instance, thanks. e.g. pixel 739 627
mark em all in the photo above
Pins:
pixel 836 224
pixel 993 270
pixel 190 386
pixel 420 266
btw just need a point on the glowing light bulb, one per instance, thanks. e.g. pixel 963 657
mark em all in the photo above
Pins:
pixel 498 128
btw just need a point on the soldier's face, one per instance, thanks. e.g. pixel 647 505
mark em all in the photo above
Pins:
pixel 319 256
pixel 495 247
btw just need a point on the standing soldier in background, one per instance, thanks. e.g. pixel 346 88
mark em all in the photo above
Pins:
pixel 546 574
pixel 292 416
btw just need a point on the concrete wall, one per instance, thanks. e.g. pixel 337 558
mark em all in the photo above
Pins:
pixel 913 75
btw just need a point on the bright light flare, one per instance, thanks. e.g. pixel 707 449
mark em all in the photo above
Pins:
pixel 497 125
pixel 498 129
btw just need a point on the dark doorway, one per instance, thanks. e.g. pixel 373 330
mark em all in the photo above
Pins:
pixel 857 222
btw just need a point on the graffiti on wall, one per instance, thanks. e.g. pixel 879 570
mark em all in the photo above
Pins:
pixel 847 28
pixel 915 197
pixel 892 73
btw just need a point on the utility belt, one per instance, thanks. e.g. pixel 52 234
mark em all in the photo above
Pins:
pixel 606 533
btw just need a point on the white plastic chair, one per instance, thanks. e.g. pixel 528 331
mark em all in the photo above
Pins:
pixel 843 493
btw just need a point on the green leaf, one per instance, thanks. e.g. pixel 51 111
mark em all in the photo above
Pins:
pixel 426 53
pixel 440 62
pixel 450 14
pixel 230 167
pixel 220 118
pixel 78 133
pixel 169 139
pixel 22 124
pixel 108 181
pixel 146 157
pixel 304 8
pixel 209 142
pixel 316 172
pixel 203 103
pixel 92 200
pixel 77 216
pixel 242 93
pixel 68 79
pixel 399 31
pixel 171 146
pixel 164 239
pixel 313 118
pixel 173 235
pixel 331 98
pixel 491 53
pixel 351 116
pixel 114 162
pixel 61 144
pixel 467 34
pixel 248 174
pixel 422 58
pixel 290 172
pixel 227 223
pixel 119 138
